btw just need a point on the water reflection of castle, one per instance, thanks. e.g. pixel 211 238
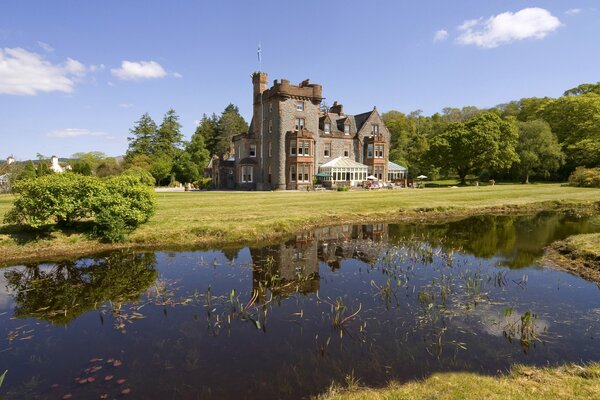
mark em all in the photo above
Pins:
pixel 293 266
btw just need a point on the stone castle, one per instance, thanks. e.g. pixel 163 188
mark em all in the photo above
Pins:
pixel 291 141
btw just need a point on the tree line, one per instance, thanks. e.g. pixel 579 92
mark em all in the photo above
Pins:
pixel 545 138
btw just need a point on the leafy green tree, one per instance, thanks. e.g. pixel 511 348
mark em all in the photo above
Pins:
pixel 43 168
pixel 108 167
pixel 207 129
pixel 583 89
pixel 585 152
pixel 538 149
pixel 28 171
pixel 185 169
pixel 142 137
pixel 168 138
pixel 484 141
pixel 230 123
pixel 160 167
pixel 198 150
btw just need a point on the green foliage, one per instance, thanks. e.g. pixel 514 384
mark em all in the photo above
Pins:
pixel 207 129
pixel 160 167
pixel 141 174
pixel 116 205
pixel 230 123
pixel 583 89
pixel 168 138
pixel 28 171
pixel 142 136
pixel 585 177
pixel 343 188
pixel 185 169
pixel 538 149
pixel 204 183
pixel 484 141
pixel 57 198
pixel 43 168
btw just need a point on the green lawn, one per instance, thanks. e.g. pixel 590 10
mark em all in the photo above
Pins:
pixel 567 382
pixel 219 218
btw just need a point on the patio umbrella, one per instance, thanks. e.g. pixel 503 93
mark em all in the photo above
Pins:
pixel 372 178
pixel 421 177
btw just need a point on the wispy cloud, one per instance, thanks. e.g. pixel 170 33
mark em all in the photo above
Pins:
pixel 77 132
pixel 138 70
pixel 125 105
pixel 440 35
pixel 46 47
pixel 26 73
pixel 573 11
pixel 528 23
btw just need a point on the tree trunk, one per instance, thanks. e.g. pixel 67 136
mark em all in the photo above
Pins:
pixel 462 175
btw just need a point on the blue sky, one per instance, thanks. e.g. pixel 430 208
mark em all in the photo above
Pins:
pixel 75 76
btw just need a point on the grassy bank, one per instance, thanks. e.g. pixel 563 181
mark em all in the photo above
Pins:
pixel 566 382
pixel 579 254
pixel 222 218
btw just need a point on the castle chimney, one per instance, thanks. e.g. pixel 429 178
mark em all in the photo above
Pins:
pixel 259 82
pixel 337 108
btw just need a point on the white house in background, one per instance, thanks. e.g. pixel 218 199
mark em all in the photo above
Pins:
pixel 10 160
pixel 56 167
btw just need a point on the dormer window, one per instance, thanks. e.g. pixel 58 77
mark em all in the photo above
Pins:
pixel 346 129
pixel 299 106
pixel 327 128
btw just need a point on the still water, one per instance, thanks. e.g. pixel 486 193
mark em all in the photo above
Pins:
pixel 376 302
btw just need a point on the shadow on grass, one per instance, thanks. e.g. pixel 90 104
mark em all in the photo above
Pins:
pixel 23 235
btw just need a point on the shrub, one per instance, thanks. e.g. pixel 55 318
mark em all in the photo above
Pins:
pixel 585 177
pixel 203 183
pixel 143 175
pixel 116 205
pixel 343 188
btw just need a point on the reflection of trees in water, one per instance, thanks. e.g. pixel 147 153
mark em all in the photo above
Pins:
pixel 62 292
pixel 520 240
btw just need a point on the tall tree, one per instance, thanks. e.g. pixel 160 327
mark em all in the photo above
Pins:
pixel 231 123
pixel 197 150
pixel 142 137
pixel 168 138
pixel 207 128
pixel 484 141
pixel 28 171
pixel 538 149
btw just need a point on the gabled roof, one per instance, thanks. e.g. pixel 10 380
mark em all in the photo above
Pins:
pixel 360 119
pixel 343 162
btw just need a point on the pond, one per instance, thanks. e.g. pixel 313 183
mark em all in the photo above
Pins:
pixel 374 302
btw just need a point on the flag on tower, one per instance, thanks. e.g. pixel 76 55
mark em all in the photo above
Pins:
pixel 259 52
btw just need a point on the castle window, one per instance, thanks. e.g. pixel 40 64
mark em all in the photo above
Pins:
pixel 307 148
pixel 270 149
pixel 270 107
pixel 346 129
pixel 379 151
pixel 327 150
pixel 300 106
pixel 327 128
pixel 270 126
pixel 370 150
pixel 306 172
pixel 292 173
pixel 292 147
pixel 299 124
pixel 346 150
pixel 374 129
pixel 252 150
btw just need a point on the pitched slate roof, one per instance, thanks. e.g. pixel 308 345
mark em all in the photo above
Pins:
pixel 395 167
pixel 360 119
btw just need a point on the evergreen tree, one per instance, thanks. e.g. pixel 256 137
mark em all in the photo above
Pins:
pixel 197 149
pixel 43 168
pixel 28 171
pixel 142 137
pixel 208 130
pixel 168 138
pixel 231 123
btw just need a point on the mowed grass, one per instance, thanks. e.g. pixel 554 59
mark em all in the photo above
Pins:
pixel 565 382
pixel 222 218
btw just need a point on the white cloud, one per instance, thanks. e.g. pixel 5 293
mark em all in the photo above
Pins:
pixel 573 11
pixel 46 47
pixel 94 68
pixel 528 23
pixel 177 75
pixel 26 73
pixel 76 132
pixel 125 105
pixel 440 35
pixel 131 70
pixel 197 122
